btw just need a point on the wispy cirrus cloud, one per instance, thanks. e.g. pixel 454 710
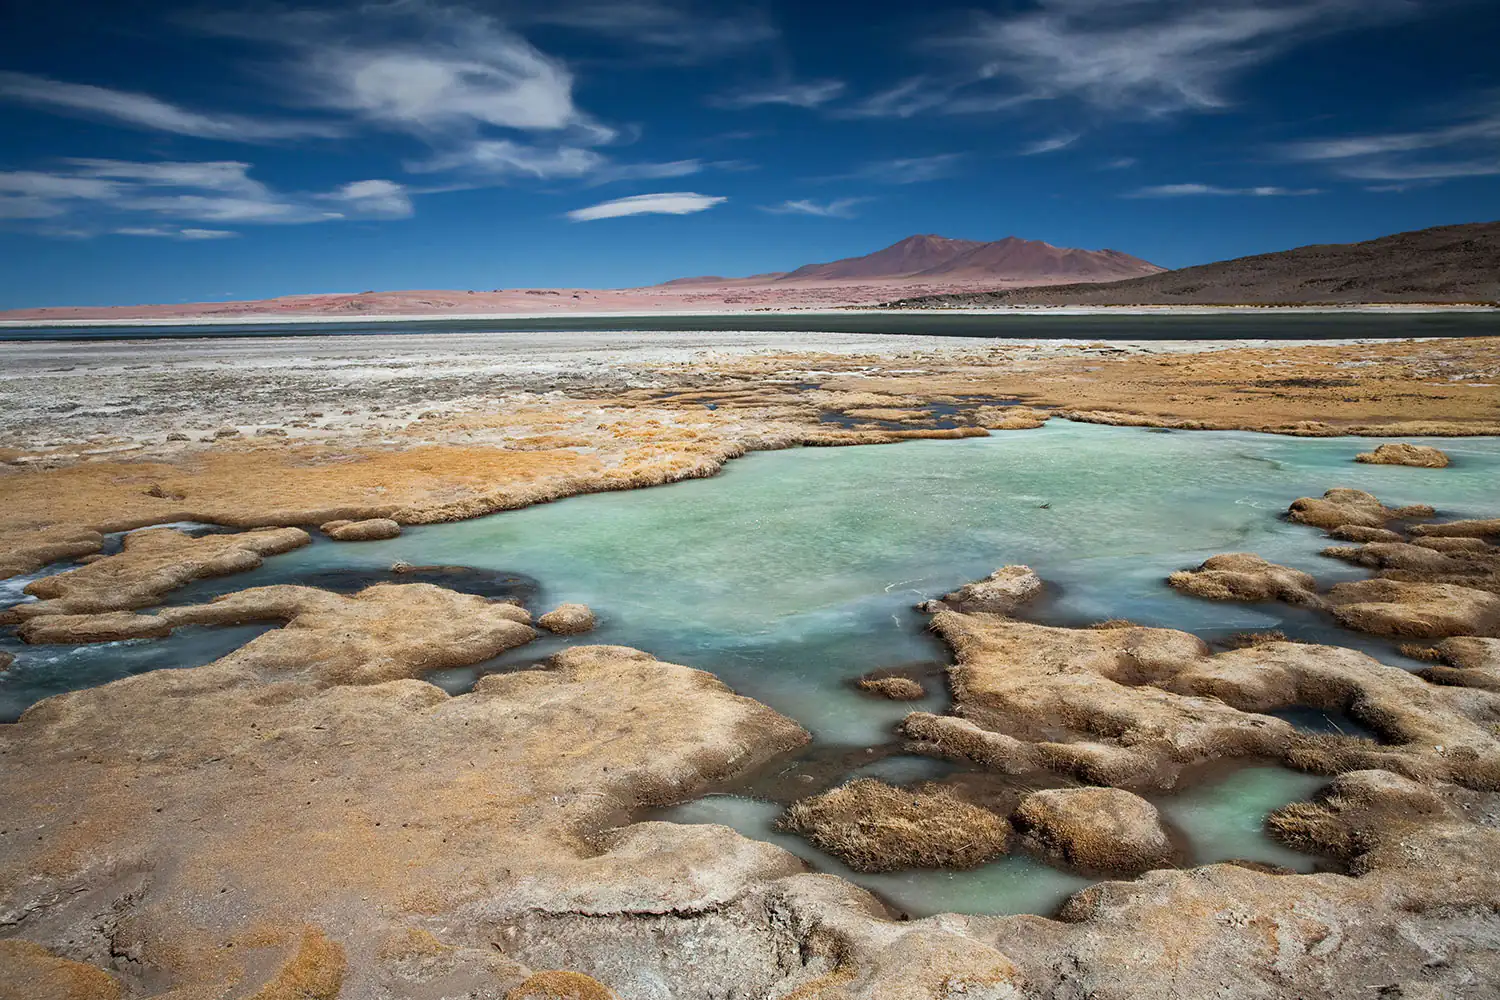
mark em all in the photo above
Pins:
pixel 143 111
pixel 1051 144
pixel 838 208
pixel 1213 190
pixel 1467 148
pixel 656 30
pixel 1138 57
pixel 906 170
pixel 811 94
pixel 177 234
pixel 669 203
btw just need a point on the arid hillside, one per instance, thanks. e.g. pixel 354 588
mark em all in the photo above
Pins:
pixel 1445 264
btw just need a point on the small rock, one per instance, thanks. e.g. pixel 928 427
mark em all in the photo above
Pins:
pixel 894 688
pixel 1419 455
pixel 6 659
pixel 1105 830
pixel 401 566
pixel 270 432
pixel 177 436
pixel 373 530
pixel 568 619
pixel 226 432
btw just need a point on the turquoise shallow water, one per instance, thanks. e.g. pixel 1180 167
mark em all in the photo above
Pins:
pixel 794 572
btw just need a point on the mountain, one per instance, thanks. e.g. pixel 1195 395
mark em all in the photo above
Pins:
pixel 1444 264
pixel 942 259
pixel 1017 258
pixel 912 255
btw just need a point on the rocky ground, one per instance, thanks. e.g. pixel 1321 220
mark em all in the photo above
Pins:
pixel 307 818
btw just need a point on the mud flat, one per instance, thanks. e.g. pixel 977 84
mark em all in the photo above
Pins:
pixel 311 815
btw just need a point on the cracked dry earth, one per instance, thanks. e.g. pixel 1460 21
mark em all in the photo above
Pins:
pixel 308 819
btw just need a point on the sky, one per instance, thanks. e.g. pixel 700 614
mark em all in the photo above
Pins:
pixel 164 152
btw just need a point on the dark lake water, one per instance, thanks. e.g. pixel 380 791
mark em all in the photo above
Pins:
pixel 1266 325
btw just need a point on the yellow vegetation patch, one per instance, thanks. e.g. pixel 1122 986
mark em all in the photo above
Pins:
pixel 316 972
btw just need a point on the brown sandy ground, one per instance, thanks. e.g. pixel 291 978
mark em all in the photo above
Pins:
pixel 257 435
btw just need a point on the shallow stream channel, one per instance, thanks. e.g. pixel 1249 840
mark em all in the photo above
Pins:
pixel 791 574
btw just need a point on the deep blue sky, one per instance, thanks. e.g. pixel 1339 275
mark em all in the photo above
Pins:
pixel 157 152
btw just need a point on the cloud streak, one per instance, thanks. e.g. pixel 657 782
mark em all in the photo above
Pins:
pixel 143 111
pixel 839 208
pixel 670 203
pixel 1470 148
pixel 1145 59
pixel 98 195
pixel 812 94
pixel 1211 190
pixel 906 170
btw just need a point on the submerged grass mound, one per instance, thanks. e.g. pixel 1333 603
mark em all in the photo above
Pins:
pixel 875 827
pixel 1418 455
pixel 894 688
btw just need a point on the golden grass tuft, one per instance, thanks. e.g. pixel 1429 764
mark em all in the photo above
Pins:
pixel 875 827
pixel 30 972
pixel 316 972
pixel 561 985
pixel 894 688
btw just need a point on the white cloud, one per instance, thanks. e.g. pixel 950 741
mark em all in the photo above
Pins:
pixel 839 208
pixel 147 112
pixel 1468 149
pixel 116 195
pixel 507 158
pixel 1200 190
pixel 177 234
pixel 375 199
pixel 416 66
pixel 673 203
pixel 797 95
pixel 1050 145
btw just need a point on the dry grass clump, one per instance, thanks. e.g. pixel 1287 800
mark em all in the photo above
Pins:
pixel 1418 455
pixel 1362 533
pixel 1247 640
pixel 1243 576
pixel 1355 813
pixel 369 530
pixel 30 972
pixel 1417 610
pixel 894 688
pixel 561 986
pixel 1339 507
pixel 875 827
pixel 568 619
pixel 316 972
pixel 151 564
pixel 1485 528
pixel 1105 830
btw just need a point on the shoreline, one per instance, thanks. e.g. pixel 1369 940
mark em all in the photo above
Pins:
pixel 284 319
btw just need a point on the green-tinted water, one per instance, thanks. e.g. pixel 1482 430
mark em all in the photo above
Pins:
pixel 793 572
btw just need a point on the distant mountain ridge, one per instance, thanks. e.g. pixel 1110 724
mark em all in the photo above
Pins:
pixel 1445 264
pixel 929 256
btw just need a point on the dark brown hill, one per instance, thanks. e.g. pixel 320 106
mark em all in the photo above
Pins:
pixel 1447 264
